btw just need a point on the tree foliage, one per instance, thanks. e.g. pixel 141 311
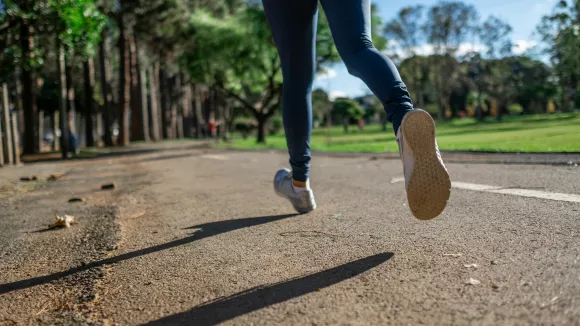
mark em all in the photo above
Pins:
pixel 347 109
pixel 561 33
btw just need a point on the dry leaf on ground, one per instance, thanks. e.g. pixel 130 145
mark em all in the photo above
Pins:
pixel 472 281
pixel 62 221
pixel 56 176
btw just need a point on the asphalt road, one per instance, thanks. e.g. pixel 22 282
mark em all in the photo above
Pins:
pixel 198 237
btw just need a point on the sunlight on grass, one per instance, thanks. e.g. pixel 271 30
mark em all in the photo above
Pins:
pixel 535 133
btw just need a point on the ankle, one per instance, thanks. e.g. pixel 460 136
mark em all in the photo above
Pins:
pixel 300 186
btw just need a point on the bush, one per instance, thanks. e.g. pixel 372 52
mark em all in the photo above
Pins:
pixel 245 127
pixel 275 125
pixel 515 108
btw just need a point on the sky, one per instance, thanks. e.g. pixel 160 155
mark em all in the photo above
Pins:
pixel 522 15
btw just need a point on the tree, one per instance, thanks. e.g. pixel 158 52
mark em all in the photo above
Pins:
pixel 163 48
pixel 348 110
pixel 447 27
pixel 561 33
pixel 105 83
pixel 417 69
pixel 89 85
pixel 528 82
pixel 494 34
pixel 238 56
pixel 321 105
pixel 405 29
pixel 17 32
pixel 124 77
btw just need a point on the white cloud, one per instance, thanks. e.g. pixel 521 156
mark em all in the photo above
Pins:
pixel 521 46
pixel 328 74
pixel 428 49
pixel 470 47
pixel 333 95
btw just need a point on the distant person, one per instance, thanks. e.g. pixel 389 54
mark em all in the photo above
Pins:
pixel 293 25
pixel 212 128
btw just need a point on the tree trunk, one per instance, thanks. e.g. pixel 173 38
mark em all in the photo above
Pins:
pixel 228 120
pixel 186 107
pixel 54 124
pixel 20 106
pixel 261 128
pixel 164 107
pixel 417 82
pixel 501 108
pixel 105 76
pixel 345 124
pixel 15 138
pixel 124 85
pixel 441 113
pixel 219 112
pixel 439 90
pixel 421 96
pixel 159 100
pixel 174 103
pixel 137 127
pixel 27 82
pixel 62 100
pixel 479 109
pixel 154 108
pixel 40 131
pixel 89 82
pixel 99 129
pixel 70 104
pixel 198 113
pixel 144 104
pixel 7 127
pixel 182 105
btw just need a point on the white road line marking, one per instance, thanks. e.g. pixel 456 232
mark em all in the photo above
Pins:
pixel 473 186
pixel 539 194
pixel 395 180
pixel 510 191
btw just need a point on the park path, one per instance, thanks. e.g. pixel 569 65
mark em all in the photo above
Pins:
pixel 197 237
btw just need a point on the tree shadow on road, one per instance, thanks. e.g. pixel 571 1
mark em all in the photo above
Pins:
pixel 205 231
pixel 224 309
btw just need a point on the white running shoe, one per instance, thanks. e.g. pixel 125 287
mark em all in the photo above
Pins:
pixel 426 179
pixel 303 202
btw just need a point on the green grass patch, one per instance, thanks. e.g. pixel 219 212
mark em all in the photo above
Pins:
pixel 532 133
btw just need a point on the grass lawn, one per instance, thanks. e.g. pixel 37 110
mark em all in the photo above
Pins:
pixel 534 133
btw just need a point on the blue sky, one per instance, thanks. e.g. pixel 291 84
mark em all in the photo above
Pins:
pixel 522 15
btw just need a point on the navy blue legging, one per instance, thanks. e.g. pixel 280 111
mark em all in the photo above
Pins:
pixel 293 24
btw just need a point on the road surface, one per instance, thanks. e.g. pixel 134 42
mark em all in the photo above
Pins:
pixel 198 237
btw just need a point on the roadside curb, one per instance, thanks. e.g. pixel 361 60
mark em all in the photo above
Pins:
pixel 471 157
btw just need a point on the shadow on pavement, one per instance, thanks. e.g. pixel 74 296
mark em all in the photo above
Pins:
pixel 205 231
pixel 110 152
pixel 224 309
